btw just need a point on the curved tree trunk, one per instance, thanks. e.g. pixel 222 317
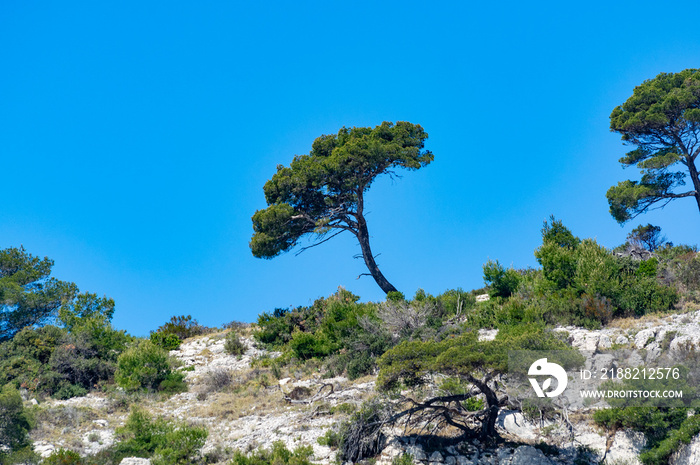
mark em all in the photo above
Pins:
pixel 488 425
pixel 695 177
pixel 363 238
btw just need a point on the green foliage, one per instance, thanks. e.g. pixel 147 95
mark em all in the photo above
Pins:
pixel 52 361
pixel 167 341
pixel 665 428
pixel 660 120
pixel 403 459
pixel 556 253
pixel 648 237
pixel 63 457
pixel 234 345
pixel 324 190
pixel 501 282
pixel 331 439
pixel 86 307
pixel 278 454
pixel 461 356
pixel 661 453
pixel 168 443
pixel 182 326
pixel 648 268
pixel 15 422
pixel 28 295
pixel 307 345
pixel 147 366
pixel 554 232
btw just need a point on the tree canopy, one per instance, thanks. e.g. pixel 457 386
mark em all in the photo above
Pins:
pixel 661 120
pixel 28 295
pixel 648 237
pixel 324 190
pixel 478 364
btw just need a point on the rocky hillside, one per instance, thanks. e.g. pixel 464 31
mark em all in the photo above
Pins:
pixel 244 405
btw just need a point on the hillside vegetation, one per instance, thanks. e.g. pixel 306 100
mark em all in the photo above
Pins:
pixel 436 373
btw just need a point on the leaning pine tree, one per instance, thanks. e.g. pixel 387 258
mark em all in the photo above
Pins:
pixel 324 192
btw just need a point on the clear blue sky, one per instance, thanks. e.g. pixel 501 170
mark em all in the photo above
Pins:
pixel 136 137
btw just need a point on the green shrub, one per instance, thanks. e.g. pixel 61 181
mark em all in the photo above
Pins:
pixel 63 457
pixel 501 282
pixel 15 422
pixel 78 361
pixel 331 439
pixel 167 341
pixel 183 327
pixel 168 443
pixel 403 459
pixel 146 366
pixel 234 345
pixel 307 345
pixel 645 295
pixel 278 454
pixel 648 268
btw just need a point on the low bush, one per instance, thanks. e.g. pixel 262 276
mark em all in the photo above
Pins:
pixel 361 436
pixel 63 457
pixel 501 282
pixel 183 326
pixel 167 341
pixel 278 454
pixel 234 345
pixel 165 442
pixel 147 366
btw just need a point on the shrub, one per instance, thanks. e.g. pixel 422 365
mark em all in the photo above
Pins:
pixel 278 454
pixel 63 457
pixel 307 345
pixel 169 443
pixel 331 439
pixel 234 345
pixel 183 327
pixel 648 268
pixel 218 380
pixel 501 282
pixel 15 423
pixel 146 366
pixel 403 459
pixel 167 341
pixel 361 437
pixel 78 362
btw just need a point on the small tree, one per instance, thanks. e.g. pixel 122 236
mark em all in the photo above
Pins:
pixel 648 237
pixel 14 422
pixel 325 190
pixel 28 295
pixel 477 364
pixel 501 282
pixel 662 121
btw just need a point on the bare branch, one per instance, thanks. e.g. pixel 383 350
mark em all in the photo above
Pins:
pixel 320 242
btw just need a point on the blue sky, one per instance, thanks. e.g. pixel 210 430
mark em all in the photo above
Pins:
pixel 136 137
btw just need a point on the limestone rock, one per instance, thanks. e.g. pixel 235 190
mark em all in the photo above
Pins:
pixel 643 337
pixel 528 455
pixel 688 454
pixel 135 461
pixel 487 334
pixel 626 447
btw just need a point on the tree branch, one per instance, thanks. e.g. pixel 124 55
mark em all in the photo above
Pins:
pixel 320 242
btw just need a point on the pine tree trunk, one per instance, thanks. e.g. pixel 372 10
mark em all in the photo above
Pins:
pixel 363 238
